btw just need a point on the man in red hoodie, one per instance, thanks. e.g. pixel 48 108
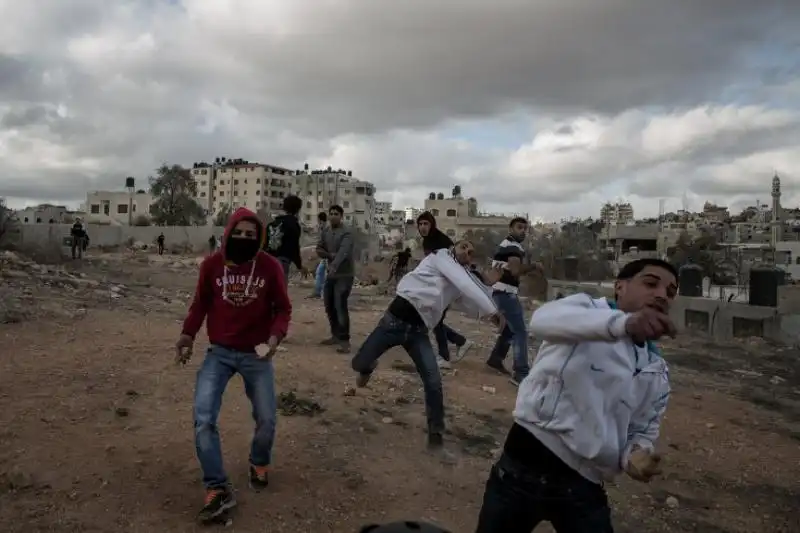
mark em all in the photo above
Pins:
pixel 242 295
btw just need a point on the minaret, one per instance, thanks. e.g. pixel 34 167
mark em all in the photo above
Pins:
pixel 777 223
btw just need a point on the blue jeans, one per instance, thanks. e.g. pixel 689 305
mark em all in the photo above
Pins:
pixel 335 293
pixel 444 334
pixel 514 334
pixel 286 263
pixel 319 277
pixel 391 332
pixel 216 371
pixel 518 498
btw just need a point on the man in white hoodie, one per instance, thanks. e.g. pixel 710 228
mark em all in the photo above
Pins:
pixel 589 409
pixel 422 297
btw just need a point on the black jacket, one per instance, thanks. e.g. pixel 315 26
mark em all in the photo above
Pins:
pixel 283 239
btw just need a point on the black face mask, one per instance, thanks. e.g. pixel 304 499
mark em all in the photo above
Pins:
pixel 240 250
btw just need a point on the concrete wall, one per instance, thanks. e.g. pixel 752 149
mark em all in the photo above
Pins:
pixel 101 235
pixel 723 321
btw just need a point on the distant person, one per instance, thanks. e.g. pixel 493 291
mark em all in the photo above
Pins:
pixel 399 265
pixel 212 244
pixel 509 257
pixel 160 241
pixel 336 246
pixel 434 239
pixel 283 236
pixel 319 275
pixel 242 297
pixel 77 233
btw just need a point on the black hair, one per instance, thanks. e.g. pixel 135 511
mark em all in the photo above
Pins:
pixel 427 216
pixel 515 220
pixel 634 267
pixel 292 204
pixel 336 208
pixel 322 216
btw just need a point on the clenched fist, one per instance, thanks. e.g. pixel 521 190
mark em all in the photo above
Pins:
pixel 643 465
pixel 649 325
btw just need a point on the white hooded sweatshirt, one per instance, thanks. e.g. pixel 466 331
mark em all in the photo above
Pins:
pixel 437 282
pixel 592 394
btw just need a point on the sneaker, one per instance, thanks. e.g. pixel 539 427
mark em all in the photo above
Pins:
pixel 362 380
pixel 217 502
pixel 462 350
pixel 329 341
pixel 344 347
pixel 259 477
pixel 516 379
pixel 436 447
pixel 443 364
pixel 498 366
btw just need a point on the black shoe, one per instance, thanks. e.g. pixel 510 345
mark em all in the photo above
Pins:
pixel 498 366
pixel 435 441
pixel 362 380
pixel 344 347
pixel 218 502
pixel 330 341
pixel 259 477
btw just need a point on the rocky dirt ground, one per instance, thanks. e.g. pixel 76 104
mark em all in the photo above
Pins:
pixel 96 429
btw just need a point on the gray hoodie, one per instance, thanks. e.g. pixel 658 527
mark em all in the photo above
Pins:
pixel 339 242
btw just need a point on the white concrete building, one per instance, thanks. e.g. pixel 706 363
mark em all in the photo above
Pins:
pixel 240 183
pixel 116 207
pixel 43 214
pixel 320 189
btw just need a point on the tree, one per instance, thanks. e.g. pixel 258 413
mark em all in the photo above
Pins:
pixel 173 190
pixel 222 215
pixel 707 254
pixel 9 225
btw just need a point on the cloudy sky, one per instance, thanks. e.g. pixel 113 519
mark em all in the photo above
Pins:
pixel 539 106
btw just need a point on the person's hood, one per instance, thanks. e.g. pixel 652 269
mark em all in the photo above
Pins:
pixel 427 216
pixel 436 240
pixel 237 216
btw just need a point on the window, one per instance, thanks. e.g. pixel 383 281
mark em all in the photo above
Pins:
pixel 308 218
pixel 435 212
pixel 308 205
pixel 196 171
pixel 95 209
pixel 258 180
pixel 106 208
pixel 38 220
pixel 222 193
pixel 236 182
pixel 204 172
pixel 451 212
pixel 26 220
pixel 202 195
pixel 203 183
pixel 451 232
pixel 235 192
pixel 245 192
pixel 245 182
pixel 51 221
pixel 222 182
pixel 258 204
pixel 238 169
pixel 122 209
pixel 345 204
pixel 319 205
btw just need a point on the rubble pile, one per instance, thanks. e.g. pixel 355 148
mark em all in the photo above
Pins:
pixel 29 290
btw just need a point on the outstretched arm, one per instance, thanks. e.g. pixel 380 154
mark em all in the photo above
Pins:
pixel 576 319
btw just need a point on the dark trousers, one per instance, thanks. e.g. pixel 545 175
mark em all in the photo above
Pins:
pixel 391 332
pixel 160 249
pixel 77 246
pixel 518 497
pixel 445 335
pixel 336 293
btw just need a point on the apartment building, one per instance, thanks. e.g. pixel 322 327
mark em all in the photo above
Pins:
pixel 240 183
pixel 320 189
pixel 116 207
pixel 618 213
pixel 456 215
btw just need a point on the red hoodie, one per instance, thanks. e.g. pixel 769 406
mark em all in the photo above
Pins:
pixel 244 305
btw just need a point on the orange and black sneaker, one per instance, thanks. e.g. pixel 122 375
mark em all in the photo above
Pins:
pixel 218 501
pixel 259 477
